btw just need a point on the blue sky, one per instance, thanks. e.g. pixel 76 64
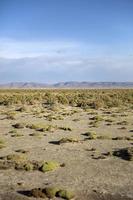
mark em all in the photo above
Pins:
pixel 66 40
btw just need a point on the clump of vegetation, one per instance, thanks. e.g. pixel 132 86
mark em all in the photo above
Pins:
pixel 97 157
pixel 51 192
pixel 95 121
pixel 85 99
pixel 65 194
pixel 91 135
pixel 125 153
pixel 20 162
pixel 76 119
pixel 96 118
pixel 108 124
pixel 13 131
pixel 5 165
pixel 51 117
pixel 41 127
pixel 37 134
pixel 113 115
pixel 2 144
pixel 17 158
pixel 49 166
pixel 17 134
pixel 122 128
pixel 122 123
pixel 109 120
pixel 97 104
pixel 68 140
pixel 19 125
pixel 28 166
pixel 94 124
pixel 11 115
pixel 123 115
pixel 65 128
pixel 103 137
pixel 122 138
pixel 37 193
pixel 21 109
pixel 22 151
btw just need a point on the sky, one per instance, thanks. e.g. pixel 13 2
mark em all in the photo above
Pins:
pixel 52 41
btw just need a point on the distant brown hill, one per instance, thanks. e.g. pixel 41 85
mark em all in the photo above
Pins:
pixel 71 84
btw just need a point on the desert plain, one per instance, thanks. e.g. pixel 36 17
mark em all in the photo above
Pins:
pixel 66 144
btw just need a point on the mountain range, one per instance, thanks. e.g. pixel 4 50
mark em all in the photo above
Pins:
pixel 70 84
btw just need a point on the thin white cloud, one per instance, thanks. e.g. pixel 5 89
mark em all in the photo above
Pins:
pixel 61 60
pixel 19 49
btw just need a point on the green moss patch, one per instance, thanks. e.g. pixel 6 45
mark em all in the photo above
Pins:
pixel 65 194
pixel 51 191
pixel 49 166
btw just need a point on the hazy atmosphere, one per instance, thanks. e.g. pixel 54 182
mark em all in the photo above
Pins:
pixel 51 41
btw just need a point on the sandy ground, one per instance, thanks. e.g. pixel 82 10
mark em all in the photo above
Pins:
pixel 86 172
